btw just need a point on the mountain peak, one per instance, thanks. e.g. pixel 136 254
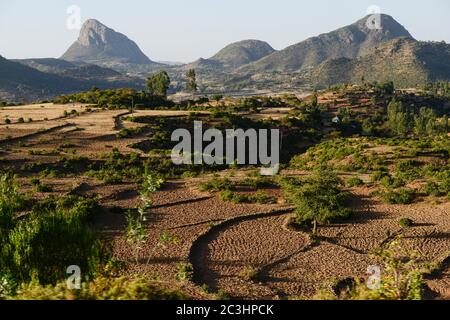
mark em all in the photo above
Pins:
pixel 99 44
pixel 387 25
pixel 351 41
pixel 242 52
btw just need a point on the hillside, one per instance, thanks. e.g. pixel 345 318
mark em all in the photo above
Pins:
pixel 20 82
pixel 70 69
pixel 349 42
pixel 407 62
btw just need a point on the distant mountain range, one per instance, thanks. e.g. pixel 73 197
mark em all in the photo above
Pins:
pixel 105 58
pixel 34 79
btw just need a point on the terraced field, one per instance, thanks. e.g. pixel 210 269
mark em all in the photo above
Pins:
pixel 248 251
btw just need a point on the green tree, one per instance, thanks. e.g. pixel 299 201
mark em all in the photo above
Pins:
pixel 191 85
pixel 425 122
pixel 158 84
pixel 318 199
pixel 399 119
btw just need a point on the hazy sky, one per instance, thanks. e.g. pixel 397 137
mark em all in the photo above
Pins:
pixel 184 30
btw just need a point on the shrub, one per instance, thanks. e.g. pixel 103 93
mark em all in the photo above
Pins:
pixel 402 277
pixel 259 197
pixel 223 295
pixel 390 182
pixel 8 121
pixel 401 196
pixel 432 189
pixel 405 222
pixel 54 236
pixel 378 175
pixel 21 120
pixel 354 182
pixel 216 184
pixel 185 272
pixel 101 288
pixel 250 274
pixel 44 188
pixel 127 133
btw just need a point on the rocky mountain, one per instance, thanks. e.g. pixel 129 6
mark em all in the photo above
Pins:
pixel 407 62
pixel 233 56
pixel 350 42
pixel 240 53
pixel 101 45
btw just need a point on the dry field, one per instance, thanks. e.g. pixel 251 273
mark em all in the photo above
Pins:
pixel 221 240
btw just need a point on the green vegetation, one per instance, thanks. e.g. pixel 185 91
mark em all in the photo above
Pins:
pixel 229 190
pixel 354 182
pixel 399 196
pixel 185 272
pixel 216 184
pixel 405 222
pixel 402 277
pixel 55 235
pixel 158 84
pixel 115 99
pixel 258 197
pixel 100 288
pixel 191 85
pixel 318 199
pixel 250 274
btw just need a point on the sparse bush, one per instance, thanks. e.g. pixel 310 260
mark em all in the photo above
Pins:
pixel 250 274
pixel 259 197
pixel 185 272
pixel 223 295
pixel 54 236
pixel 433 189
pixel 405 222
pixel 402 277
pixel 101 288
pixel 216 184
pixel 44 188
pixel 355 182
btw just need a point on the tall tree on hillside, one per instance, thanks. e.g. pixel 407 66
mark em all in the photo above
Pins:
pixel 191 85
pixel 399 119
pixel 158 84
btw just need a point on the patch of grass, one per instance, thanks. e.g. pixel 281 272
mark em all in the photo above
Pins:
pixel 354 182
pixel 260 197
pixel 100 288
pixel 185 272
pixel 250 274
pixel 216 184
pixel 405 222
